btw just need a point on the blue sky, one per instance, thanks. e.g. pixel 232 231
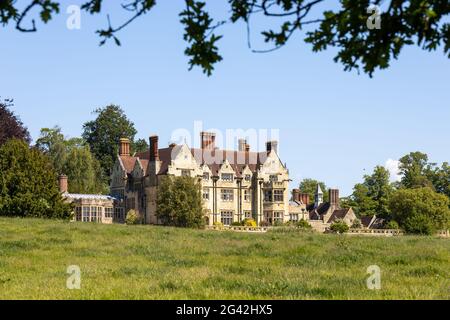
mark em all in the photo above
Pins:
pixel 334 125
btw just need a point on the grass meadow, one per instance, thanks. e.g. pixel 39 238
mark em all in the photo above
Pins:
pixel 148 262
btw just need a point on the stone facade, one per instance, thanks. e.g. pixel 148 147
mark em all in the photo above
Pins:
pixel 236 184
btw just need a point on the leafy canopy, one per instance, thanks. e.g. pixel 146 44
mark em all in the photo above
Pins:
pixel 420 210
pixel 179 202
pixel 73 158
pixel 28 183
pixel 309 186
pixel 372 196
pixel 324 24
pixel 10 124
pixel 103 134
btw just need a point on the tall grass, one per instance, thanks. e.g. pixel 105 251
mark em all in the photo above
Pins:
pixel 146 262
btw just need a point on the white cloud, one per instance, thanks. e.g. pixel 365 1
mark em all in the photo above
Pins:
pixel 393 167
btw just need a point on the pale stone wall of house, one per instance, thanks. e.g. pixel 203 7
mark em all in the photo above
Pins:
pixel 319 225
pixel 183 163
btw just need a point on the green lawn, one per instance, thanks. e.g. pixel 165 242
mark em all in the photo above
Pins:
pixel 145 262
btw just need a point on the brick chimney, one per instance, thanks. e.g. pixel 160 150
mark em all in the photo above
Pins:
pixel 208 140
pixel 154 151
pixel 124 147
pixel 334 196
pixel 272 145
pixel 304 197
pixel 296 195
pixel 247 148
pixel 63 183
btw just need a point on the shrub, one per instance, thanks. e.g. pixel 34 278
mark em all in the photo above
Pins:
pixel 357 224
pixel 392 225
pixel 339 226
pixel 303 224
pixel 264 224
pixel 278 224
pixel 132 218
pixel 250 223
pixel 218 224
pixel 236 224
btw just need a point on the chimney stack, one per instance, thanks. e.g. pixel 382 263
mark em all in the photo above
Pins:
pixel 208 140
pixel 154 151
pixel 272 145
pixel 63 183
pixel 304 197
pixel 247 148
pixel 334 196
pixel 124 147
pixel 296 195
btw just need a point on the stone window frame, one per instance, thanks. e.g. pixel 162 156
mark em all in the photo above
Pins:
pixel 247 195
pixel 226 217
pixel 278 195
pixel 227 195
pixel 205 194
pixel 227 177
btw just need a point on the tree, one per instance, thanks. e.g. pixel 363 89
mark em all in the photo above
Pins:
pixel 440 178
pixel 309 186
pixel 179 202
pixel 140 145
pixel 420 210
pixel 350 26
pixel 10 124
pixel 415 170
pixel 28 183
pixel 73 158
pixel 372 196
pixel 103 134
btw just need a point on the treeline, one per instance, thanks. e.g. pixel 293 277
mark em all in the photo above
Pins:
pixel 28 173
pixel 419 203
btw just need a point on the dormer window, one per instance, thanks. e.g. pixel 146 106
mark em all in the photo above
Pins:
pixel 227 177
pixel 248 177
pixel 206 176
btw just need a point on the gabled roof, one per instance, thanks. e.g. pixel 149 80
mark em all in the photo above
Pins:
pixel 128 163
pixel 237 159
pixel 321 209
pixel 338 214
pixel 368 221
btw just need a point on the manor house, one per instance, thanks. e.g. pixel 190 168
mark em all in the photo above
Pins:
pixel 235 184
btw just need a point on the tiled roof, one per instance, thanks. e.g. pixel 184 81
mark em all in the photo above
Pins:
pixel 321 209
pixel 237 159
pixel 128 163
pixel 338 214
pixel 367 221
